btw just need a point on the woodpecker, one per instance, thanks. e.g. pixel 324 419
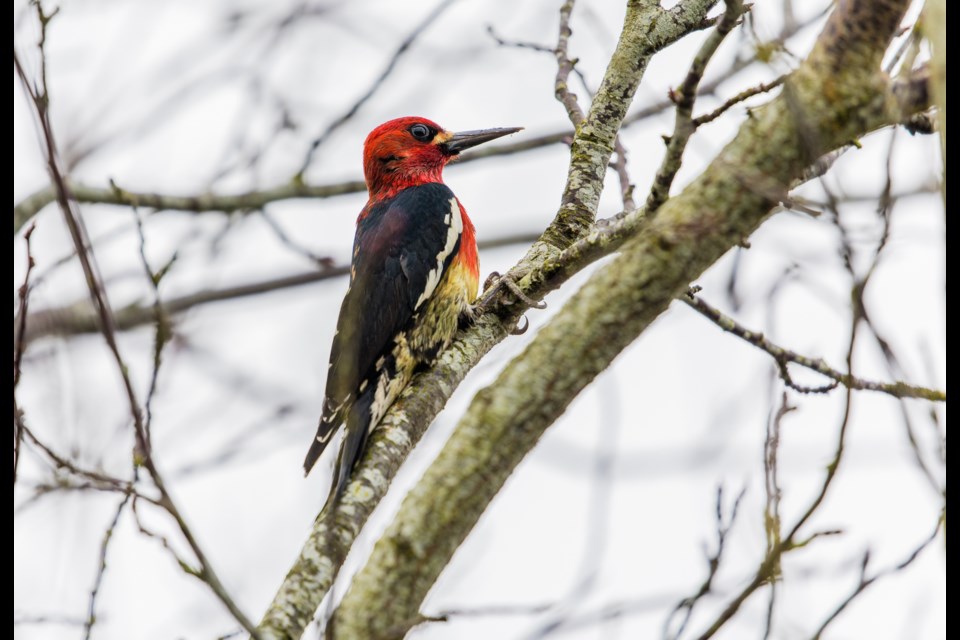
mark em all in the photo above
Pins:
pixel 413 275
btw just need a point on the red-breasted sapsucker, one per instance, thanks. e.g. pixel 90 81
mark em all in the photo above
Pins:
pixel 413 276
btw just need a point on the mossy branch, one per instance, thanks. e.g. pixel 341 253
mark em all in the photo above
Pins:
pixel 647 30
pixel 838 94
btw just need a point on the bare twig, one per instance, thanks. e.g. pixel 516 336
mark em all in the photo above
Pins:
pixel 323 262
pixel 737 99
pixel 565 66
pixel 771 517
pixel 23 619
pixel 81 318
pixel 162 331
pixel 19 344
pixel 249 201
pixel 684 98
pixel 98 480
pixel 38 97
pixel 865 582
pixel 519 44
pixel 102 568
pixel 784 356
pixel 377 83
pixel 685 607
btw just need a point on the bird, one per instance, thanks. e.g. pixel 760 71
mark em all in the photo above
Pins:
pixel 414 273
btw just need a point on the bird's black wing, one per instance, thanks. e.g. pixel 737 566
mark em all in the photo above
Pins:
pixel 394 270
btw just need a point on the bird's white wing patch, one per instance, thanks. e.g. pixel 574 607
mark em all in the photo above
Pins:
pixel 454 221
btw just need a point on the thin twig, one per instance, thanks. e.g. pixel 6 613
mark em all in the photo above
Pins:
pixel 324 262
pixel 565 66
pixel 102 568
pixel 19 344
pixel 784 356
pixel 351 111
pixel 735 100
pixel 162 331
pixel 59 462
pixel 38 96
pixel 80 317
pixel 686 606
pixel 771 517
pixel 865 582
pixel 684 97
pixel 519 44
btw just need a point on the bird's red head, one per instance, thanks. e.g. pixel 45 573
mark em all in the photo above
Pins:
pixel 408 151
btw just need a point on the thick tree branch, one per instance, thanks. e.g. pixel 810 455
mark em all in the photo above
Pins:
pixel 837 95
pixel 647 29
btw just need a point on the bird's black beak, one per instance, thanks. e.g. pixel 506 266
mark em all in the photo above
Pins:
pixel 466 139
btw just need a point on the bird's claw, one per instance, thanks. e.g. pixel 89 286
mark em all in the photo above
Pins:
pixel 496 282
pixel 520 330
pixel 493 285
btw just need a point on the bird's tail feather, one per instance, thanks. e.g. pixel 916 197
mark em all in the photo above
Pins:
pixel 328 424
pixel 354 439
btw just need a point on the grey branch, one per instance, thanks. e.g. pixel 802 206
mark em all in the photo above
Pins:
pixel 546 265
pixel 80 318
pixel 717 211
pixel 29 206
pixel 784 356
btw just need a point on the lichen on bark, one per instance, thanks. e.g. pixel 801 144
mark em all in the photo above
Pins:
pixel 837 95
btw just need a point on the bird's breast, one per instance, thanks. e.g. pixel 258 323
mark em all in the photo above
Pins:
pixel 437 323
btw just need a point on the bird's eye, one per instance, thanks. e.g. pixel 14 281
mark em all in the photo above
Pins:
pixel 421 132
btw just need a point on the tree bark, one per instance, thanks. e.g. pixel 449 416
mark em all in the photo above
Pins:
pixel 550 261
pixel 837 95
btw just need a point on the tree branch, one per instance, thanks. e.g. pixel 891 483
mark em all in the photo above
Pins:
pixel 39 98
pixel 783 356
pixel 836 95
pixel 29 206
pixel 647 29
pixel 684 97
pixel 80 317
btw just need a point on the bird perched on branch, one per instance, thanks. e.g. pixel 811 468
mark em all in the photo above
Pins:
pixel 413 276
